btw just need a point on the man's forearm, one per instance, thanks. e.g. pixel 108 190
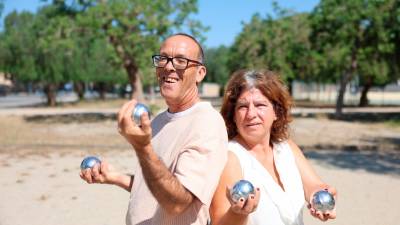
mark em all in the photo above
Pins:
pixel 165 187
pixel 124 181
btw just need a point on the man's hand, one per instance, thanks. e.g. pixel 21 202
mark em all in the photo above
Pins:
pixel 102 173
pixel 138 136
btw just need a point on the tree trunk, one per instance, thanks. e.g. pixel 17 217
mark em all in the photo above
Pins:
pixel 134 80
pixel 79 88
pixel 129 65
pixel 102 90
pixel 340 97
pixel 344 80
pixel 138 90
pixel 50 89
pixel 364 93
pixel 290 86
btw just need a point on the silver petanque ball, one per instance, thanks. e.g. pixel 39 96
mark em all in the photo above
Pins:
pixel 138 111
pixel 241 189
pixel 89 162
pixel 323 201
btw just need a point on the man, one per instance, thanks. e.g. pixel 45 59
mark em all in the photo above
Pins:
pixel 181 153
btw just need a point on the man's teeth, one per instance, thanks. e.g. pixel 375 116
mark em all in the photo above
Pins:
pixel 170 80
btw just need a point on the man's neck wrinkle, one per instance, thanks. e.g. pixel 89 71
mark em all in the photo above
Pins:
pixel 181 105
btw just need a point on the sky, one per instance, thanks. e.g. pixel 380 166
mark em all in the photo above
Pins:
pixel 223 17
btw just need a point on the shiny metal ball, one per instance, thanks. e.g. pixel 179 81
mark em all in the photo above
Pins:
pixel 241 189
pixel 138 111
pixel 89 162
pixel 323 201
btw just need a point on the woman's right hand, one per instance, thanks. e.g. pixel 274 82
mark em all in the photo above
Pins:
pixel 244 207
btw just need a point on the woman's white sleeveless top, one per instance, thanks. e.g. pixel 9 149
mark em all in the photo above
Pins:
pixel 276 207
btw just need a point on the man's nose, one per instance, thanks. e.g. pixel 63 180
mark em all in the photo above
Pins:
pixel 169 66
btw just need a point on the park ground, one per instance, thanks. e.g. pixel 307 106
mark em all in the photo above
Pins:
pixel 41 149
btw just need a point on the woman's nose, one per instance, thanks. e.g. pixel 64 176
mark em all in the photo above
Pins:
pixel 251 112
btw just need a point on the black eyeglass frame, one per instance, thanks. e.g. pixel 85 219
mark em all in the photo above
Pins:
pixel 171 59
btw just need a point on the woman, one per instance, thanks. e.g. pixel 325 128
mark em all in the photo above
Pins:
pixel 256 110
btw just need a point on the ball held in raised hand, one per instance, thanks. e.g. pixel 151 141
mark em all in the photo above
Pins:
pixel 241 189
pixel 323 201
pixel 89 162
pixel 138 111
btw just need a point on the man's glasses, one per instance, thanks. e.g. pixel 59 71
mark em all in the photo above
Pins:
pixel 179 63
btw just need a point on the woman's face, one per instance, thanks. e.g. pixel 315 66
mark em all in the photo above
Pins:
pixel 254 115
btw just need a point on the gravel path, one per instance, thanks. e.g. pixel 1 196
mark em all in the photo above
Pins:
pixel 40 155
pixel 45 189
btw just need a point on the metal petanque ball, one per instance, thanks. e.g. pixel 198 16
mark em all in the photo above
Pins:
pixel 241 189
pixel 138 111
pixel 323 201
pixel 89 162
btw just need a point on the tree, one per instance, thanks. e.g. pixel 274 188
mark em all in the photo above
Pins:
pixel 279 43
pixel 375 59
pixel 134 29
pixel 94 61
pixel 17 46
pixel 351 43
pixel 1 7
pixel 216 62
pixel 50 49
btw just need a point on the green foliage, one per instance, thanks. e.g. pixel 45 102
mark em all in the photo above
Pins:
pixel 356 38
pixel 17 46
pixel 91 40
pixel 393 122
pixel 280 44
pixel 1 7
pixel 134 29
pixel 216 63
pixel 360 37
pixel 93 60
pixel 47 48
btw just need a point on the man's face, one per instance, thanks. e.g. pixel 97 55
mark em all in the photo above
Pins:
pixel 179 86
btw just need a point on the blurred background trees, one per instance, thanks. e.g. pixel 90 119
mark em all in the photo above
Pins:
pixel 354 37
pixel 108 44
pixel 85 41
pixel 1 7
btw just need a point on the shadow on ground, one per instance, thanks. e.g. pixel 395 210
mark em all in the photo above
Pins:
pixel 71 118
pixel 379 162
pixel 367 116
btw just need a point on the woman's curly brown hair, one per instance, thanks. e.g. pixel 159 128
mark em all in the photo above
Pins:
pixel 272 87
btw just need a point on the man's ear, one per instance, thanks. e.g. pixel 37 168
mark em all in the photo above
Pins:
pixel 201 73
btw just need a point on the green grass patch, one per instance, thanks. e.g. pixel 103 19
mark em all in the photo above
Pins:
pixel 393 122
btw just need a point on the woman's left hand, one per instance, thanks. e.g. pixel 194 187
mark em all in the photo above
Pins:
pixel 324 216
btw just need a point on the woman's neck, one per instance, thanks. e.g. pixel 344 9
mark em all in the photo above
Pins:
pixel 255 145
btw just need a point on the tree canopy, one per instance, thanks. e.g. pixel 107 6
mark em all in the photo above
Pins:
pixel 353 43
pixel 91 40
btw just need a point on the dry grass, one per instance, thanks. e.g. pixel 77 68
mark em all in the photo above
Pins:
pixel 62 133
pixel 44 136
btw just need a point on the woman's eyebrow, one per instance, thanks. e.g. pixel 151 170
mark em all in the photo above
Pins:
pixel 261 101
pixel 242 102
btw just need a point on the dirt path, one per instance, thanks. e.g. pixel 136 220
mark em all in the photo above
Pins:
pixel 40 157
pixel 45 189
